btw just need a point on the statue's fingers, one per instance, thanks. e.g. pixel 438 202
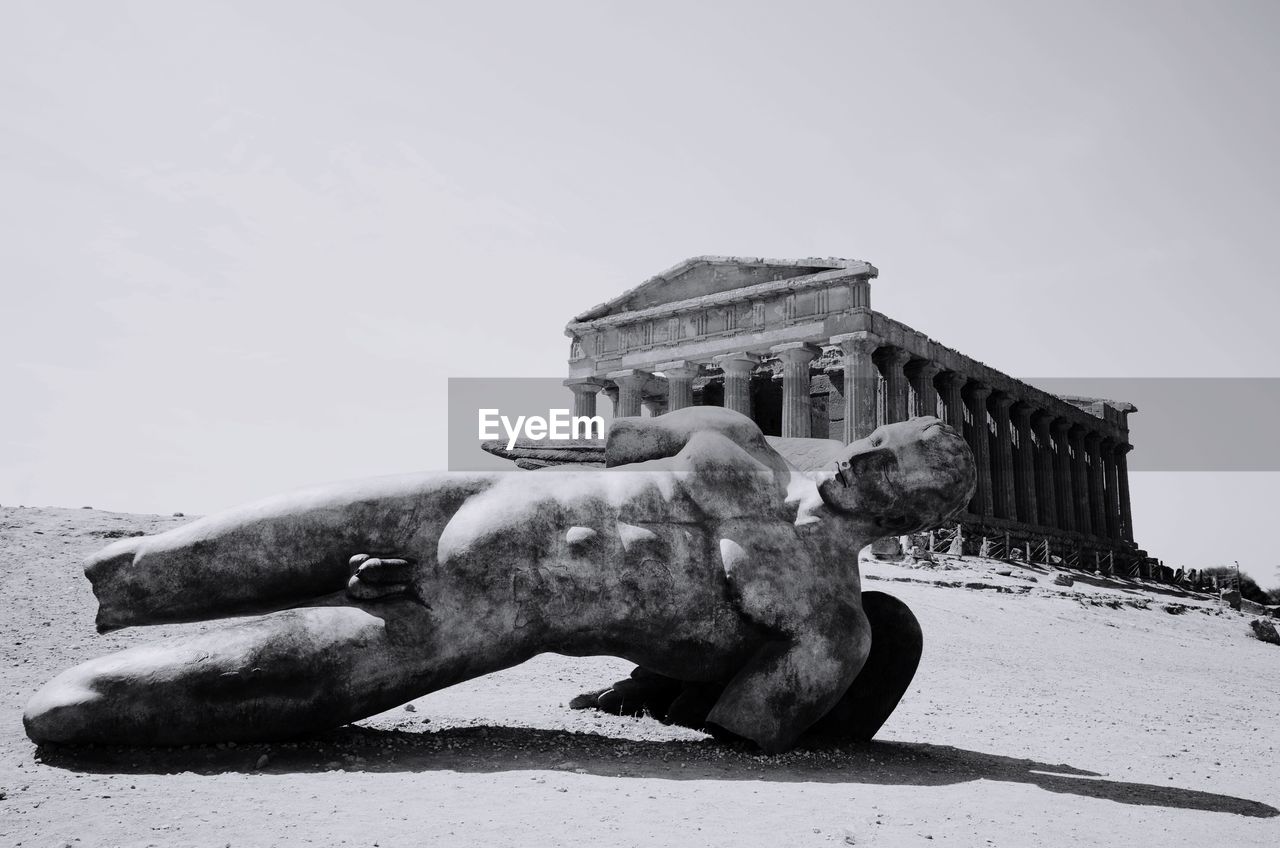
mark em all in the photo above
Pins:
pixel 650 693
pixel 356 561
pixel 618 703
pixel 587 700
pixel 362 590
pixel 379 570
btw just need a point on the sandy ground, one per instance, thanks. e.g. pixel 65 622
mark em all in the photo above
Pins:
pixel 1041 716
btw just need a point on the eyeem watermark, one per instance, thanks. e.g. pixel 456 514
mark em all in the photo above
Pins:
pixel 558 426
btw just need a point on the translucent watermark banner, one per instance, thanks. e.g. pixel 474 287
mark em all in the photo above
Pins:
pixel 1179 424
pixel 505 424
pixel 1190 423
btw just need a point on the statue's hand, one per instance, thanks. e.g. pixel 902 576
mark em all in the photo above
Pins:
pixel 668 700
pixel 644 692
pixel 373 578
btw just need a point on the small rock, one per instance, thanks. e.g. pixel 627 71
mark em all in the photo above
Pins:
pixel 1064 580
pixel 1265 630
pixel 410 708
pixel 262 762
pixel 179 515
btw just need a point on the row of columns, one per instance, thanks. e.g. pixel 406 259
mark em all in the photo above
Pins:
pixel 1034 467
pixel 737 369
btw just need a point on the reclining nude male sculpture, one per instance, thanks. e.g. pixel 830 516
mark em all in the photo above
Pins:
pixel 729 575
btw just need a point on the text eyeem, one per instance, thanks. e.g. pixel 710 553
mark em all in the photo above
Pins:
pixel 558 426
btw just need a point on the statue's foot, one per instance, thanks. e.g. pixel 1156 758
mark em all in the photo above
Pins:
pixel 373 578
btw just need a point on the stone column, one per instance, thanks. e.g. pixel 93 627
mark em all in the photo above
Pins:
pixel 891 364
pixel 1097 485
pixel 953 399
pixel 861 380
pixel 1122 477
pixel 656 404
pixel 1046 486
pixel 584 391
pixel 1003 480
pixel 737 368
pixel 630 383
pixel 980 443
pixel 1062 472
pixel 1112 484
pixel 680 377
pixel 1080 480
pixel 795 357
pixel 926 394
pixel 1025 465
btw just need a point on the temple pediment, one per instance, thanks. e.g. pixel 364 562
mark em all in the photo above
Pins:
pixel 704 276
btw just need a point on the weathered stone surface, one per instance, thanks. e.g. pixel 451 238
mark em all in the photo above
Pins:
pixel 540 454
pixel 1064 580
pixel 701 555
pixel 1265 630
pixel 888 548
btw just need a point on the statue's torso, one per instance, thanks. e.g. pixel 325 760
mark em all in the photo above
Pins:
pixel 627 563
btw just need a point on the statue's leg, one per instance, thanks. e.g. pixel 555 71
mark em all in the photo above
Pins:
pixel 275 677
pixel 896 644
pixel 280 553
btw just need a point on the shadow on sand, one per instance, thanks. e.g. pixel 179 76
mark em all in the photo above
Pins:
pixel 497 749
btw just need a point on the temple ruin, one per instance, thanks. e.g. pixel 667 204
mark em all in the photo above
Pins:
pixel 795 345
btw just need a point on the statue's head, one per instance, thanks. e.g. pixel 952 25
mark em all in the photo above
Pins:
pixel 903 478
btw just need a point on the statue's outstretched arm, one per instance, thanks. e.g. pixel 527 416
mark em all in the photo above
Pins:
pixel 633 440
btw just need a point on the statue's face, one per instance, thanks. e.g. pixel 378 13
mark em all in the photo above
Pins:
pixel 903 478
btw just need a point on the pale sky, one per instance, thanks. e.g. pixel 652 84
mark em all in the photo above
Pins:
pixel 245 244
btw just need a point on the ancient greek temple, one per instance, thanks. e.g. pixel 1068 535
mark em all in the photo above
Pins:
pixel 795 345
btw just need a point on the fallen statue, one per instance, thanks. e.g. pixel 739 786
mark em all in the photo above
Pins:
pixel 726 573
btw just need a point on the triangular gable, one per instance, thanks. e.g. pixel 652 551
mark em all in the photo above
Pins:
pixel 704 275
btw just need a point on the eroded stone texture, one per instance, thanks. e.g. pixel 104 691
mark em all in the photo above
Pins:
pixel 700 554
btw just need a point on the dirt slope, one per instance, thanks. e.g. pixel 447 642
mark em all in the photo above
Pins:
pixel 1040 716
